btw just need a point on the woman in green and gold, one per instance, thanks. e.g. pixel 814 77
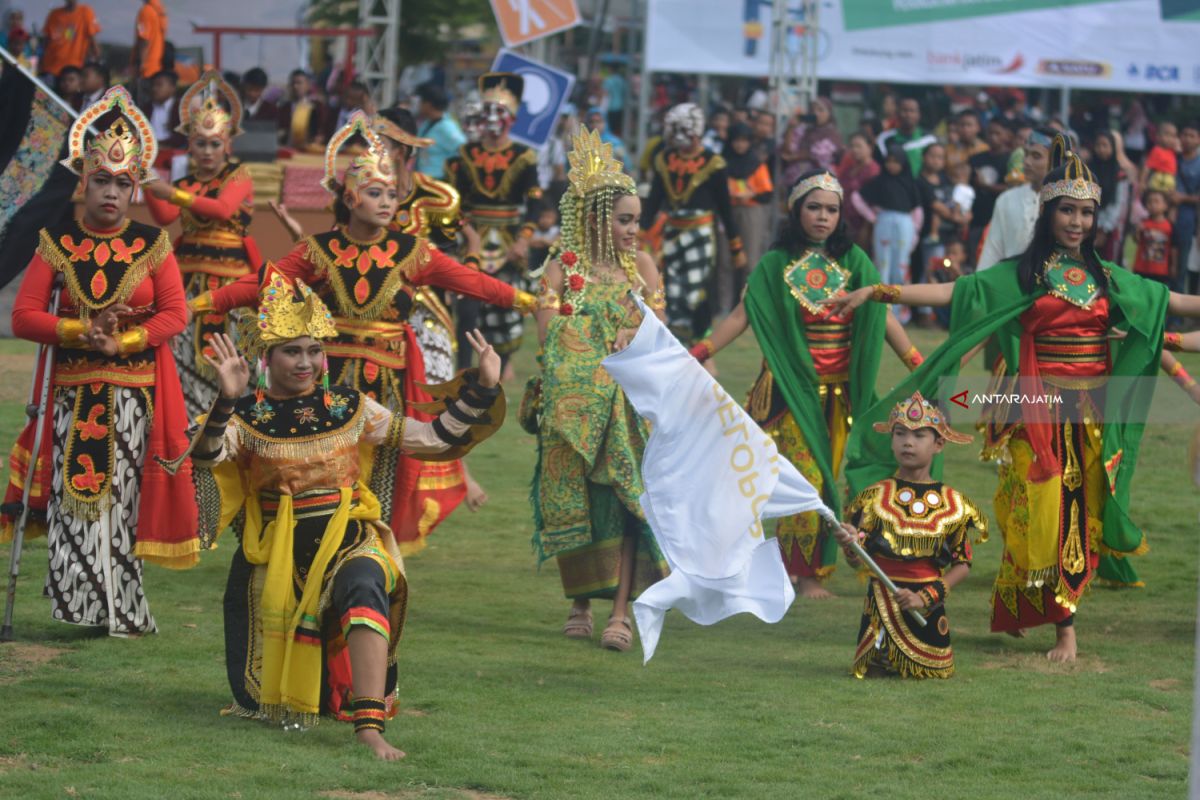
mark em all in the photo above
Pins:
pixel 819 368
pixel 590 441
pixel 1063 498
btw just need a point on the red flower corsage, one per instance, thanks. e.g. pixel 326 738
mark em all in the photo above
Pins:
pixel 568 259
pixel 576 283
pixel 566 309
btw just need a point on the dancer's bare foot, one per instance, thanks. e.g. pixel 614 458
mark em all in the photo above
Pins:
pixel 812 589
pixel 379 746
pixel 1064 646
pixel 476 496
pixel 1019 633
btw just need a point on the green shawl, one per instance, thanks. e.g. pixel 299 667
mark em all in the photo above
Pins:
pixel 775 316
pixel 991 303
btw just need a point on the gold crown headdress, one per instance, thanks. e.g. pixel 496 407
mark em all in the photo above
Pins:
pixel 825 181
pixel 504 88
pixel 201 112
pixel 386 128
pixel 594 167
pixel 126 147
pixel 373 165
pixel 1076 180
pixel 916 412
pixel 287 310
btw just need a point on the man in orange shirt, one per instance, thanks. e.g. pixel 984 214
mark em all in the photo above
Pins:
pixel 70 36
pixel 150 39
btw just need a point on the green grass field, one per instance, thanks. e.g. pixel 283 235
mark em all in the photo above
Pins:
pixel 497 704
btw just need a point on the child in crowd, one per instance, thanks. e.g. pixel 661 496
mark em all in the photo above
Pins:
pixel 544 236
pixel 915 529
pixel 964 193
pixel 1162 163
pixel 950 267
pixel 1156 257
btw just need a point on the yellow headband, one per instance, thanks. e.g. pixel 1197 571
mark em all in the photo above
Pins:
pixel 371 166
pixel 916 412
pixel 824 181
pixel 201 112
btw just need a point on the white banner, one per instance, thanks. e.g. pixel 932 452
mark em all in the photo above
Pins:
pixel 1125 45
pixel 711 476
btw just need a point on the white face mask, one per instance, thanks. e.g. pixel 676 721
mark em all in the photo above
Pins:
pixel 496 119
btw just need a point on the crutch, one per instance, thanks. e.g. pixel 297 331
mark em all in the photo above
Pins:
pixel 35 411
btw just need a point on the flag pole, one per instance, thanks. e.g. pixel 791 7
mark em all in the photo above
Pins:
pixel 878 572
pixel 63 104
pixel 37 412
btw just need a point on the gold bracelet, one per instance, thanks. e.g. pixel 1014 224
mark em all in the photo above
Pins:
pixel 133 340
pixel 548 300
pixel 524 302
pixel 201 303
pixel 1175 369
pixel 885 293
pixel 1173 342
pixel 71 332
pixel 913 358
pixel 181 198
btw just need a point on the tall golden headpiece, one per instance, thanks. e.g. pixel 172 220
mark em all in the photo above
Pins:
pixel 287 310
pixel 594 167
pixel 504 88
pixel 373 165
pixel 126 147
pixel 916 412
pixel 201 112
pixel 1069 176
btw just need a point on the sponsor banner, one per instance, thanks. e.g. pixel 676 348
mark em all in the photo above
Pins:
pixel 1126 45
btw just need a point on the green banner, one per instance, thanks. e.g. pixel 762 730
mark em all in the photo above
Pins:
pixel 1181 10
pixel 866 14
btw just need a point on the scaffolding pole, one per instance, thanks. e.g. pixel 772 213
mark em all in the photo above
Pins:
pixel 793 75
pixel 379 58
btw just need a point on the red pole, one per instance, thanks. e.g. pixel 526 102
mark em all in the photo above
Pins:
pixel 217 50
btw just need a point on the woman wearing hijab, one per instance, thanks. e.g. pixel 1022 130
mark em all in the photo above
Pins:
pixel 1114 174
pixel 814 144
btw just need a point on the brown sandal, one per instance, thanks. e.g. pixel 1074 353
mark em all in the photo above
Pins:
pixel 618 635
pixel 578 624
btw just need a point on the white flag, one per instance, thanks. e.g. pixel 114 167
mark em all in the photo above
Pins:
pixel 711 477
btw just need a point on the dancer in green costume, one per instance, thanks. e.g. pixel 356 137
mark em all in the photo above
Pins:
pixel 819 369
pixel 1063 497
pixel 590 441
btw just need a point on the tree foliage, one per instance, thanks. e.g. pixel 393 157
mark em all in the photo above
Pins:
pixel 426 26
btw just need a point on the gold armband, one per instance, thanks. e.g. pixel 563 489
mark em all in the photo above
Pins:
pixel 524 302
pixel 133 340
pixel 548 300
pixel 885 293
pixel 473 260
pixel 71 332
pixel 1173 342
pixel 181 198
pixel 201 303
pixel 658 300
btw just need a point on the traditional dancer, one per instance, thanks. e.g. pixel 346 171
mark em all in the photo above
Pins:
pixel 819 369
pixel 428 209
pixel 316 598
pixel 368 272
pixel 495 177
pixel 691 184
pixel 116 396
pixel 213 204
pixel 1063 497
pixel 590 440
pixel 916 529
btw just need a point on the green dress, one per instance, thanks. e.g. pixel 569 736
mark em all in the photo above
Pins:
pixel 590 443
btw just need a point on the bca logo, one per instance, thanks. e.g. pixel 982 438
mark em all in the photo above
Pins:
pixel 1161 73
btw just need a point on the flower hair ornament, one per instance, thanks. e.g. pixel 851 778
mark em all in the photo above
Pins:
pixel 595 181
pixel 1071 177
pixel 201 112
pixel 825 181
pixel 126 147
pixel 369 167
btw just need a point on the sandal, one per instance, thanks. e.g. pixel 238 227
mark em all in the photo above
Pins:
pixel 578 624
pixel 618 635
